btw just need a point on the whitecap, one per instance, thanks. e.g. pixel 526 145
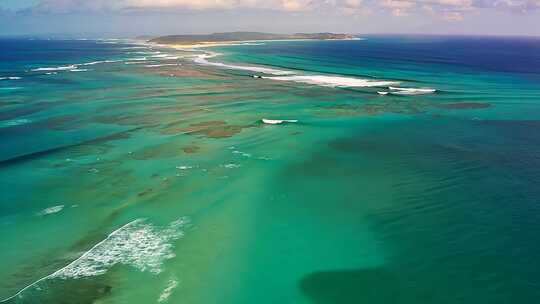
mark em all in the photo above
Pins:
pixel 138 244
pixel 159 55
pixel 411 91
pixel 162 65
pixel 135 47
pixel 184 167
pixel 334 81
pixel 51 210
pixel 15 122
pixel 203 60
pixel 60 68
pixel 101 62
pixel 231 166
pixel 79 70
pixel 244 154
pixel 167 292
pixel 10 78
pixel 277 121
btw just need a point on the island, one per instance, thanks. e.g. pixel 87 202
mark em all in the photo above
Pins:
pixel 235 37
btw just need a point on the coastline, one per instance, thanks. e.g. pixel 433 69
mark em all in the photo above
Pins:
pixel 208 44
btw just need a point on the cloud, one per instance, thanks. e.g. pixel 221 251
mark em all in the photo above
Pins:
pixel 119 5
pixel 452 10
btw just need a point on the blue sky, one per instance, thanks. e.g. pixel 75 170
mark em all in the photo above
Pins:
pixel 131 17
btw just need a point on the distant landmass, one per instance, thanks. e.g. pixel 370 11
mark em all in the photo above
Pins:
pixel 243 36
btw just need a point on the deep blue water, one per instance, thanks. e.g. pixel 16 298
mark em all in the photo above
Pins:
pixel 20 54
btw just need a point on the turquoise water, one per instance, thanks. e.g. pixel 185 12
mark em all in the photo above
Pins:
pixel 152 179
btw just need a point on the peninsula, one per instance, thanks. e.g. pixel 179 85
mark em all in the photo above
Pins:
pixel 231 37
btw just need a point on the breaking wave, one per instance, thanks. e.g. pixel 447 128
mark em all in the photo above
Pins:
pixel 411 91
pixel 60 68
pixel 334 81
pixel 138 244
pixel 203 60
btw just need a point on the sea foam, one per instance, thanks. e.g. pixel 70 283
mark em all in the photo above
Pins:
pixel 334 81
pixel 203 60
pixel 60 68
pixel 138 59
pixel 51 210
pixel 15 122
pixel 73 67
pixel 10 78
pixel 162 65
pixel 138 244
pixel 101 62
pixel 166 293
pixel 159 55
pixel 411 91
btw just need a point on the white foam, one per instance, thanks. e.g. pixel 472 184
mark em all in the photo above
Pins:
pixel 162 65
pixel 334 81
pixel 51 210
pixel 143 53
pixel 10 78
pixel 184 167
pixel 203 60
pixel 138 244
pixel 15 122
pixel 159 55
pixel 382 93
pixel 166 293
pixel 231 166
pixel 411 91
pixel 278 122
pixel 101 62
pixel 79 70
pixel 60 68
pixel 135 47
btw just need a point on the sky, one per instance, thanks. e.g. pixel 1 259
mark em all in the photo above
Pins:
pixel 127 18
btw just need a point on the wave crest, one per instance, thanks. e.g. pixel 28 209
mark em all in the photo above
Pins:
pixel 334 81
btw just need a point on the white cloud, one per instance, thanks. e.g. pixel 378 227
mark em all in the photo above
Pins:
pixel 97 5
pixel 453 10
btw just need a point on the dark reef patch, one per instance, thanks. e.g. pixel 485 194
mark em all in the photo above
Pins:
pixel 122 119
pixel 463 105
pixel 191 149
pixel 353 286
pixel 83 148
pixel 165 150
pixel 369 109
pixel 214 129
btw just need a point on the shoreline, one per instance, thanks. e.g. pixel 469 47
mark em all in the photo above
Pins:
pixel 208 44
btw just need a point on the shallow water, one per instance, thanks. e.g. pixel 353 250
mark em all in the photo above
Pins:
pixel 144 181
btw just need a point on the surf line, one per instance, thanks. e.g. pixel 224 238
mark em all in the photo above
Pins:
pixel 72 263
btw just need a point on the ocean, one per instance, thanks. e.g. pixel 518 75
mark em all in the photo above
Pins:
pixel 390 169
